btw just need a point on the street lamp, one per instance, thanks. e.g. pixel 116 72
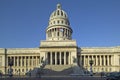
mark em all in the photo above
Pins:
pixel 91 63
pixel 10 68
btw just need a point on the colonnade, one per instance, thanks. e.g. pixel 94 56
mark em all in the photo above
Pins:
pixel 22 64
pixel 24 60
pixel 98 60
pixel 59 32
pixel 59 58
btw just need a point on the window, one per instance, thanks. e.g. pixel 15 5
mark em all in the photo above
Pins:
pixel 58 21
pixel 65 15
pixel 58 34
pixel 62 22
pixel 58 12
pixel 61 13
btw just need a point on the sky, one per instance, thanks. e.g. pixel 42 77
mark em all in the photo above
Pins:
pixel 95 23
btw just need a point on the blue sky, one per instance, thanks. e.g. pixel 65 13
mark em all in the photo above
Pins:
pixel 95 23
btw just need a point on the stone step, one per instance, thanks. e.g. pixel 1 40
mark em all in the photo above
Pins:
pixel 58 67
pixel 58 70
pixel 51 70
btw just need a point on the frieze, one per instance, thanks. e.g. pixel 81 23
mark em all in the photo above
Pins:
pixel 102 49
pixel 23 50
pixel 2 50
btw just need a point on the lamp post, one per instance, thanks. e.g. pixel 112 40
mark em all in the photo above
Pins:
pixel 10 68
pixel 91 63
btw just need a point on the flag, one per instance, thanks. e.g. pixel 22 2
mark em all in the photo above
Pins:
pixel 60 29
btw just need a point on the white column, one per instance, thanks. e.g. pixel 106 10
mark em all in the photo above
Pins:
pixel 36 60
pixel 88 60
pixel 84 59
pixel 68 57
pixel 93 60
pixel 17 60
pixel 60 57
pixel 21 60
pixel 34 63
pixel 28 60
pixel 64 58
pixel 116 60
pixel 96 60
pixel 55 58
pixel 24 60
pixel 14 61
pixel 32 60
pixel 100 60
pixel 54 33
pixel 108 60
pixel 112 60
pixel 104 60
pixel 51 58
pixel 92 57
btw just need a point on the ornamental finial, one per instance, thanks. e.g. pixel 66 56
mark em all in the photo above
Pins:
pixel 58 6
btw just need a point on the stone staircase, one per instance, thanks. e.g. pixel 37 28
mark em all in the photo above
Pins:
pixel 58 67
pixel 52 70
pixel 58 70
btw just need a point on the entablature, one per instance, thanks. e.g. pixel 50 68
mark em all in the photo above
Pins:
pixel 100 50
pixel 2 50
pixel 57 43
pixel 23 50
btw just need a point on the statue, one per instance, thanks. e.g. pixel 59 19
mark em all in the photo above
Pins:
pixel 10 70
pixel 74 60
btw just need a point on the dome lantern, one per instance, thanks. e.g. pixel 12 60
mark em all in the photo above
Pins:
pixel 58 6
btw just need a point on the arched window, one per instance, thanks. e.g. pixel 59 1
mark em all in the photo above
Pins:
pixel 61 13
pixel 62 22
pixel 58 34
pixel 52 29
pixel 58 12
pixel 65 15
pixel 58 21
pixel 55 29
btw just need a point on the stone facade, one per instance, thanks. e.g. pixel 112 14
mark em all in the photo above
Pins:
pixel 60 51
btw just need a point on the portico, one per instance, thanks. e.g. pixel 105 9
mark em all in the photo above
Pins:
pixel 58 58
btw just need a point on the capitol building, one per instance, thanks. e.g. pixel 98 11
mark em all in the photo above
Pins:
pixel 60 52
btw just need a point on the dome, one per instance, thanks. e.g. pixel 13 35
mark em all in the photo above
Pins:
pixel 58 17
pixel 58 26
pixel 58 13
